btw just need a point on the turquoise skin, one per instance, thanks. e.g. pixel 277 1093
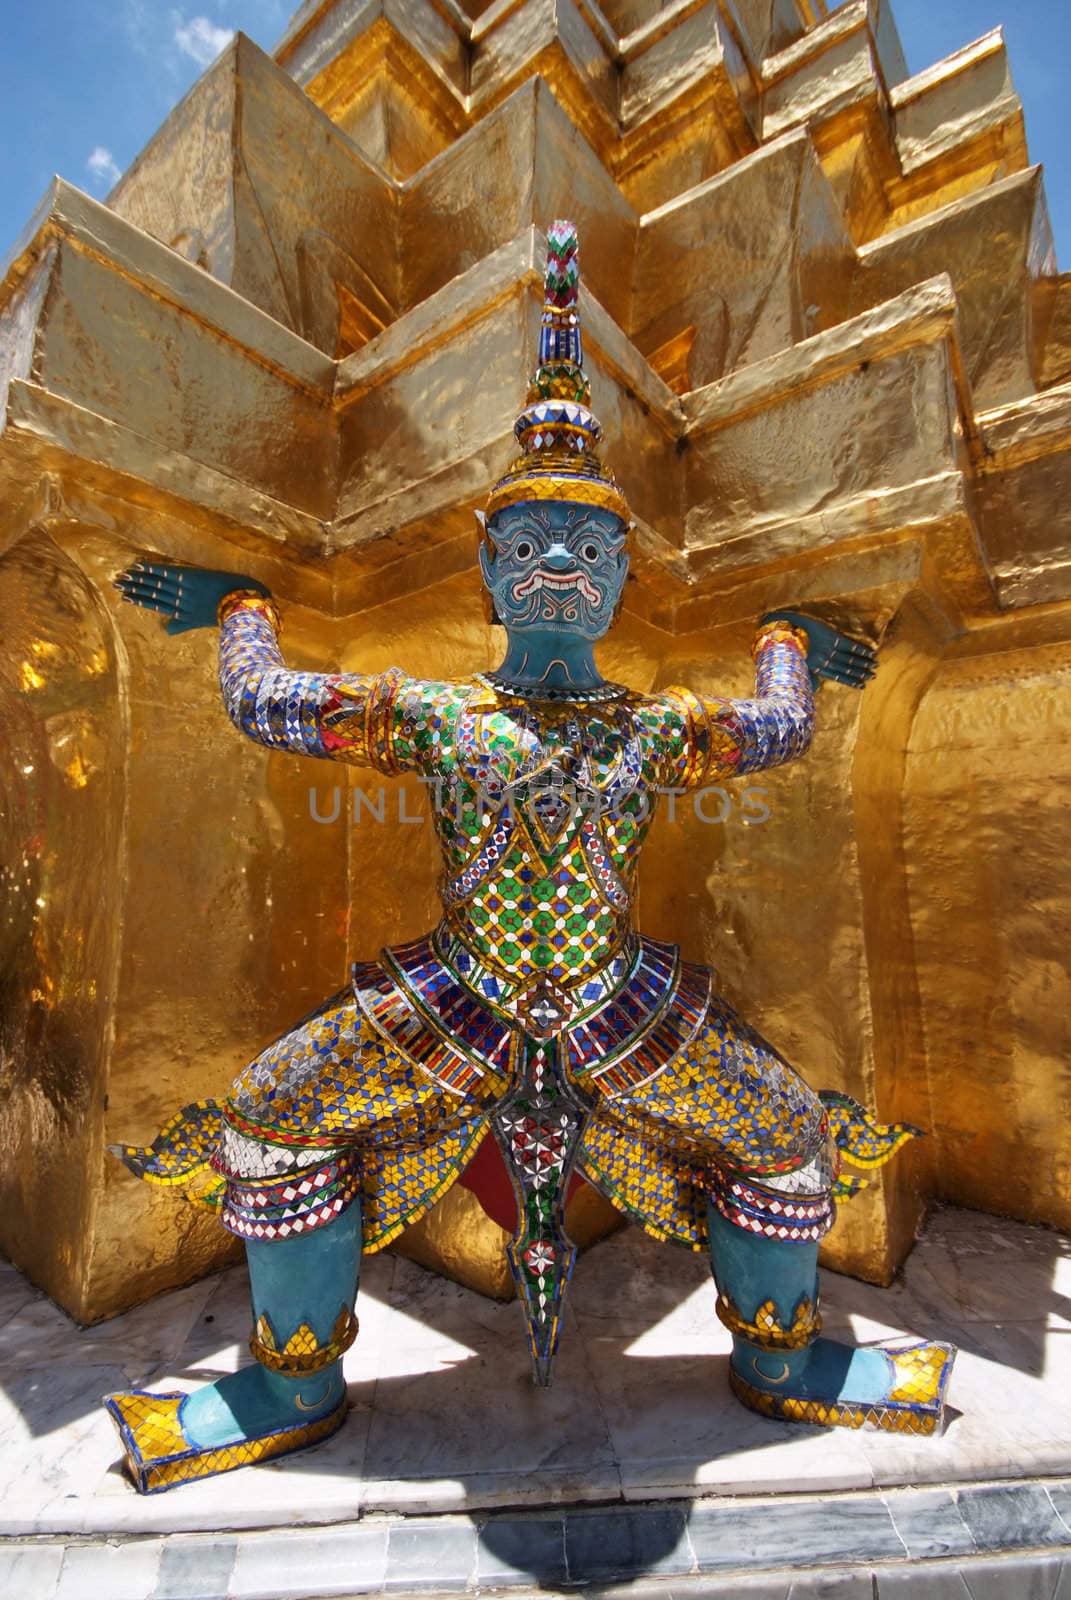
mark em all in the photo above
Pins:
pixel 830 654
pixel 551 627
pixel 751 1270
pixel 188 596
pixel 304 1279
pixel 556 573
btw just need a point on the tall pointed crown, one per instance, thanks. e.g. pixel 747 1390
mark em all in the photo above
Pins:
pixel 556 431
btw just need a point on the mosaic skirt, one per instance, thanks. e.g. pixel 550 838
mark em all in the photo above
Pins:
pixel 385 1091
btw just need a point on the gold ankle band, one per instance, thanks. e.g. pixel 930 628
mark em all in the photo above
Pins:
pixel 767 1330
pixel 302 1352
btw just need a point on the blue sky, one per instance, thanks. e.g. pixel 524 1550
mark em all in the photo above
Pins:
pixel 85 83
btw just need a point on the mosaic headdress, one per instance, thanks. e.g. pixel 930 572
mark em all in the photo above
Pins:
pixel 556 431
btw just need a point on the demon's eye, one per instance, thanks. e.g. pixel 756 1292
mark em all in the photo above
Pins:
pixel 523 550
pixel 590 552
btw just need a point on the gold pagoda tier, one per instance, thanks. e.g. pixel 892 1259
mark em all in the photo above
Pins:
pixel 831 349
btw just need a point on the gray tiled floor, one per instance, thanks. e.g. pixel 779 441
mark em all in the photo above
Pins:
pixel 444 1417
pixel 834 1546
pixel 453 1473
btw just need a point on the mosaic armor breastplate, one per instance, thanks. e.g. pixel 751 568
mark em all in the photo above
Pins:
pixel 540 814
pixel 540 808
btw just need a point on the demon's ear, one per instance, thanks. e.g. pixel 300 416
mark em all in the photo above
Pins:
pixel 487 555
pixel 621 597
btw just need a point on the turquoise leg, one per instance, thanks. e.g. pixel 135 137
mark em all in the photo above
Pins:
pixel 304 1282
pixel 782 1367
pixel 292 1396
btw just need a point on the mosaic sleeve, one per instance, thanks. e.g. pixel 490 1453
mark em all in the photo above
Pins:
pixel 336 716
pixel 704 741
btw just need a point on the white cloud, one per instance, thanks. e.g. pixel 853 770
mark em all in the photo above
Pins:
pixel 200 38
pixel 102 167
pixel 138 25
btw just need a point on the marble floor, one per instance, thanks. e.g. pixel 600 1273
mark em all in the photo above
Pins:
pixel 444 1417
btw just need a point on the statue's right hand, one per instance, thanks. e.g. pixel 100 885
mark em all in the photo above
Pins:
pixel 188 596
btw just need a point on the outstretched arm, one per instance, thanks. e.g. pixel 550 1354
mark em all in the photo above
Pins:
pixel 728 738
pixel 777 723
pixel 341 716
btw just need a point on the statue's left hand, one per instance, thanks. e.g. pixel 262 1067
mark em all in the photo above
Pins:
pixel 831 654
pixel 188 596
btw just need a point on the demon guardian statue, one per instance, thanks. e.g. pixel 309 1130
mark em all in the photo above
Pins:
pixel 534 1014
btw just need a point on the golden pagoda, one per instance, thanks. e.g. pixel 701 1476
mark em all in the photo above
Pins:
pixel 833 355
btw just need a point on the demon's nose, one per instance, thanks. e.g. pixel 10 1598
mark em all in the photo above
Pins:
pixel 558 558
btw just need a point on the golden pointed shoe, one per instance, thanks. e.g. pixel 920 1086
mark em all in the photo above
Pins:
pixel 897 1390
pixel 159 1455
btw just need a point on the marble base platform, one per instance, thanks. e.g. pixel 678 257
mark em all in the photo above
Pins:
pixel 447 1434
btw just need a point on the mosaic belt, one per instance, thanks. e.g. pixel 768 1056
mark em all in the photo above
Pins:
pixel 611 1036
